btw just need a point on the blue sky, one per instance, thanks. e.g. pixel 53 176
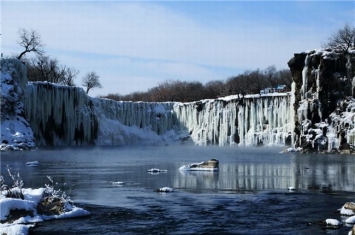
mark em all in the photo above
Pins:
pixel 136 45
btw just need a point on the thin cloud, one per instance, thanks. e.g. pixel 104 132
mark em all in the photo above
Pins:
pixel 175 40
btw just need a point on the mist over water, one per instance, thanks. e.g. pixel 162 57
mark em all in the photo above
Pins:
pixel 249 194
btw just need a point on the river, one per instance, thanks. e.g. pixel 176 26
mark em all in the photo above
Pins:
pixel 248 195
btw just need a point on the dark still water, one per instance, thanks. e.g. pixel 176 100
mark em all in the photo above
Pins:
pixel 249 194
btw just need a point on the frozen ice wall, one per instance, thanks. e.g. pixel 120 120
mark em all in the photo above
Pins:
pixel 249 120
pixel 66 116
pixel 153 115
pixel 128 123
pixel 60 115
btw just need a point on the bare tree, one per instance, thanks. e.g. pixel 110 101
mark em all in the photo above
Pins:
pixel 91 80
pixel 284 77
pixel 193 91
pixel 214 89
pixel 162 92
pixel 256 81
pixel 69 76
pixel 343 39
pixel 112 96
pixel 45 68
pixel 270 74
pixel 139 96
pixel 30 41
pixel 236 85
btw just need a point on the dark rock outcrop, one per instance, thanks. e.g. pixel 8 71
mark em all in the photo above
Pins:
pixel 322 78
pixel 322 75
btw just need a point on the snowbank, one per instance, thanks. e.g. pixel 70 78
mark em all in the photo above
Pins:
pixel 30 203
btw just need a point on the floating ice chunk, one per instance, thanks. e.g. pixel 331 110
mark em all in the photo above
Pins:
pixel 292 150
pixel 156 170
pixel 34 163
pixel 165 190
pixel 117 183
pixel 291 188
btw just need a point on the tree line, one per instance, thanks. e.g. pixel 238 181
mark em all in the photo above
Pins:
pixel 249 82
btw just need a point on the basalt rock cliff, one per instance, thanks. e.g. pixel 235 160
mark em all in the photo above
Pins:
pixel 324 89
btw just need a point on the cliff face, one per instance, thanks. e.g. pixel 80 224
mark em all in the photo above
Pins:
pixel 322 79
pixel 16 133
pixel 322 75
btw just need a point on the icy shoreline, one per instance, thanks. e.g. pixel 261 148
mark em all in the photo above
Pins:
pixel 23 208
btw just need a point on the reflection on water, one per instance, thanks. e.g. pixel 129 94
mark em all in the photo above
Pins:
pixel 241 169
pixel 302 172
pixel 197 180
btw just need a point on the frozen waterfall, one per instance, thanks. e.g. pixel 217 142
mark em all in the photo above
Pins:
pixel 66 116
pixel 60 115
pixel 127 123
pixel 250 120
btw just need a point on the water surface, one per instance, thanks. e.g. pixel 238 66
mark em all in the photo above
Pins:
pixel 249 194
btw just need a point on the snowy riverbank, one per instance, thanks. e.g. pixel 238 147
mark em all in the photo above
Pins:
pixel 22 208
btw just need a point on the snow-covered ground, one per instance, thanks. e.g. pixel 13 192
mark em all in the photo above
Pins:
pixel 27 200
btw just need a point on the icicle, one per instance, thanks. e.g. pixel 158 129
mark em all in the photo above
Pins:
pixel 317 82
pixel 305 78
pixel 292 112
